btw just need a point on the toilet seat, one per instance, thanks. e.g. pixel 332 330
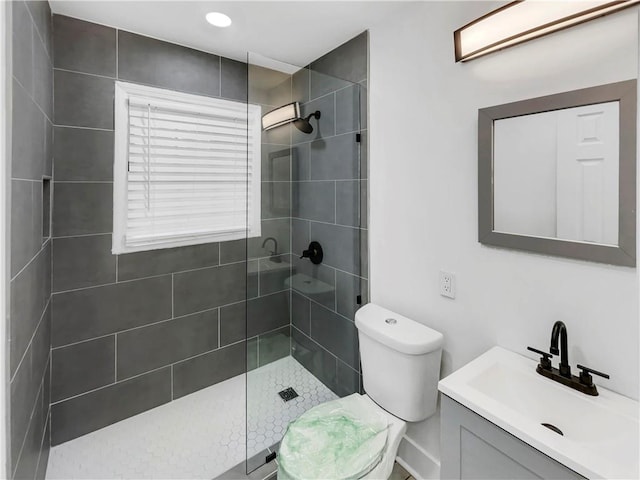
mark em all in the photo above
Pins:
pixel 373 459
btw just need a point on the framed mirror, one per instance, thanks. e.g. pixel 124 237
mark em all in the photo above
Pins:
pixel 557 174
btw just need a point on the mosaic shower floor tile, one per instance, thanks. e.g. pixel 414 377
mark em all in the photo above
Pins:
pixel 199 436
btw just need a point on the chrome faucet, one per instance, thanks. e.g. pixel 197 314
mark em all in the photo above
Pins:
pixel 560 330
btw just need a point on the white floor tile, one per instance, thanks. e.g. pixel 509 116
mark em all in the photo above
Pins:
pixel 198 436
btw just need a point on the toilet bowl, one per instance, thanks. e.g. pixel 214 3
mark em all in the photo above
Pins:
pixel 400 368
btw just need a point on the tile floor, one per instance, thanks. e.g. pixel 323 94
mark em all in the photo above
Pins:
pixel 199 436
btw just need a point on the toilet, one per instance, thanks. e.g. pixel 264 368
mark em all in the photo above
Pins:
pixel 400 368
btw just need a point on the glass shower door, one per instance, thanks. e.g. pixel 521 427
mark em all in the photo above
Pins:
pixel 305 269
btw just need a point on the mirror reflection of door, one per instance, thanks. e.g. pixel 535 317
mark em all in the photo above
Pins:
pixel 556 174
pixel 587 190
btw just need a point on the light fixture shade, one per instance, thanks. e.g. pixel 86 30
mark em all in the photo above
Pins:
pixel 280 116
pixel 524 20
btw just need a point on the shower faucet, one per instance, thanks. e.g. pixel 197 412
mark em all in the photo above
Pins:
pixel 274 253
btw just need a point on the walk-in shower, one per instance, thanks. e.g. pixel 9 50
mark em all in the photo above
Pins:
pixel 186 360
pixel 301 341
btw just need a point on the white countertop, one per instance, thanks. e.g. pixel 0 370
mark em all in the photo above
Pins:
pixel 600 433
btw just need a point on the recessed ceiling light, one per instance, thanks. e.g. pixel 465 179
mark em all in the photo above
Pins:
pixel 218 19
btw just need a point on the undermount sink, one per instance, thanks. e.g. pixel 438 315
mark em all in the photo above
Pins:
pixel 599 434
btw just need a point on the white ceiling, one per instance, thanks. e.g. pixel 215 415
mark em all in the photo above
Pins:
pixel 296 32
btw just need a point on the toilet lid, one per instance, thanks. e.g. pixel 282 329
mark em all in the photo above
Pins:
pixel 341 439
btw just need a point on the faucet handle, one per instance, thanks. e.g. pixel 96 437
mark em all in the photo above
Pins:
pixel 545 361
pixel 585 377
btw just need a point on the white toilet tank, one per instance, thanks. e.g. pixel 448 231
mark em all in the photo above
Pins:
pixel 400 362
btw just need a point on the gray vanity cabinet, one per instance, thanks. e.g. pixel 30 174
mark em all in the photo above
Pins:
pixel 474 448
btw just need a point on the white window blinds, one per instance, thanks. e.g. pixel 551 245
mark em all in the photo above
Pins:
pixel 186 171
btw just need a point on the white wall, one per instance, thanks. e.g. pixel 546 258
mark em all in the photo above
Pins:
pixel 423 195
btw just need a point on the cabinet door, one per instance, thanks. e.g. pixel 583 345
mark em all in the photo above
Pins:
pixel 474 448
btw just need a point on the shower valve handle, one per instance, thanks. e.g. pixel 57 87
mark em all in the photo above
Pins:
pixel 313 253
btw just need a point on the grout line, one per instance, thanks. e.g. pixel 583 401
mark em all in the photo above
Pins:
pixel 257 337
pixel 84 393
pixel 165 321
pixel 35 28
pixel 83 73
pixel 26 180
pixel 323 306
pixel 110 182
pixel 149 277
pixel 169 365
pixel 31 261
pixel 219 315
pixel 172 296
pixel 115 358
pixel 335 286
pixel 335 113
pixel 135 328
pixel 26 433
pixel 328 223
pixel 33 335
pixel 44 431
pixel 322 347
pixel 117 262
pixel 172 397
pixel 82 235
pixel 33 100
pixel 351 274
pixel 326 180
pixel 351 85
pixel 57 125
pixel 31 417
pixel 335 202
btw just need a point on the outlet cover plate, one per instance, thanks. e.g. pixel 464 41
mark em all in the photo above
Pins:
pixel 447 284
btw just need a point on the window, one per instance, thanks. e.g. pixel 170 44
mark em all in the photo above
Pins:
pixel 186 169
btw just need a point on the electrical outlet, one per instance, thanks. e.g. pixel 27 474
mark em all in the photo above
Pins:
pixel 447 284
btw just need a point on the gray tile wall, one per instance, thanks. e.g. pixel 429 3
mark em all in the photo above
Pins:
pixel 329 186
pixel 134 331
pixel 269 332
pixel 30 255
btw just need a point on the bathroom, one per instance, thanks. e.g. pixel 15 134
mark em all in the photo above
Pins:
pixel 94 340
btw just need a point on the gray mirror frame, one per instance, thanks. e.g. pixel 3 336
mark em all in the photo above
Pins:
pixel 625 253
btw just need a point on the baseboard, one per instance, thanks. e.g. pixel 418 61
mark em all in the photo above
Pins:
pixel 417 461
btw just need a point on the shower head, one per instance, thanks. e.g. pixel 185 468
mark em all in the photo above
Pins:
pixel 303 124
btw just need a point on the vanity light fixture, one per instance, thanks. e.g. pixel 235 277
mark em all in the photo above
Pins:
pixel 218 19
pixel 524 20
pixel 280 116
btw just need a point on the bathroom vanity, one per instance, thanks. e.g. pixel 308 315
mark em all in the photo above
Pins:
pixel 476 448
pixel 492 425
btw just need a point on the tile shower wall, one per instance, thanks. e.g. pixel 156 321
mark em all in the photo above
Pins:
pixel 329 206
pixel 271 89
pixel 131 332
pixel 30 255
